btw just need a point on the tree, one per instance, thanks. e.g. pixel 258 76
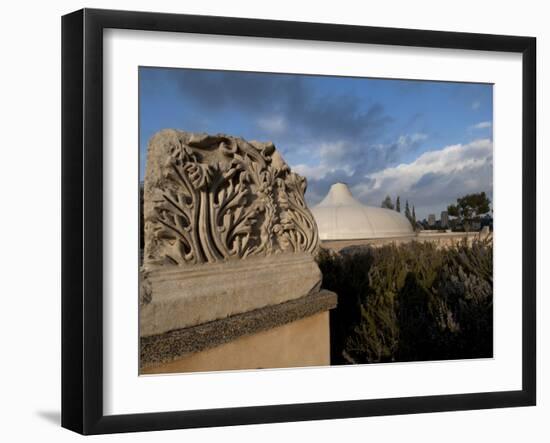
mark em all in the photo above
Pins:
pixel 410 217
pixel 470 208
pixel 407 210
pixel 398 204
pixel 386 203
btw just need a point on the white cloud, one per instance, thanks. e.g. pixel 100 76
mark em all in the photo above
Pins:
pixel 325 162
pixel 435 178
pixel 448 159
pixel 311 172
pixel 332 156
pixel 275 124
pixel 482 125
pixel 350 157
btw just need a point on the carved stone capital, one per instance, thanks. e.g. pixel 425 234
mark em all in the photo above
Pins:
pixel 227 231
pixel 214 198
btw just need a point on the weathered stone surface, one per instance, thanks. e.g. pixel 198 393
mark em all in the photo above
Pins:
pixel 213 198
pixel 226 228
pixel 174 297
pixel 173 345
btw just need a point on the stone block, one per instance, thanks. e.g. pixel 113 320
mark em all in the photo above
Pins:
pixel 302 343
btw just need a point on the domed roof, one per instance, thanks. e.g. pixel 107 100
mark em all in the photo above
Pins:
pixel 341 217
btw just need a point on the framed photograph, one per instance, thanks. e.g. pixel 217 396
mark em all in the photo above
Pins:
pixel 268 221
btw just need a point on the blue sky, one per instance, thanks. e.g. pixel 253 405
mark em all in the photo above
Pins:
pixel 429 142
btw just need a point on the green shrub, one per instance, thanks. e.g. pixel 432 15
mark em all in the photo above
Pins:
pixel 410 302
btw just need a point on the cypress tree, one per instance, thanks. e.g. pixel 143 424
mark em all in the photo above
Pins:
pixel 407 211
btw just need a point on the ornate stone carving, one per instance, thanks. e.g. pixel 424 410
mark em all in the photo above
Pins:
pixel 213 198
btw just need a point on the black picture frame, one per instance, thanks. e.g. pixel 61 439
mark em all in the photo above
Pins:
pixel 82 218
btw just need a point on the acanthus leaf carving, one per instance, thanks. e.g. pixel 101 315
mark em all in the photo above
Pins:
pixel 214 198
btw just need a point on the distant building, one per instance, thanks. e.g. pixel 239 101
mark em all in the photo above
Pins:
pixel 431 220
pixel 444 219
pixel 341 217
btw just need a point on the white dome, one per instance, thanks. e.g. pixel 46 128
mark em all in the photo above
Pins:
pixel 341 217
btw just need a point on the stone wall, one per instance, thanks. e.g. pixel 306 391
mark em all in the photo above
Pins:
pixel 440 239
